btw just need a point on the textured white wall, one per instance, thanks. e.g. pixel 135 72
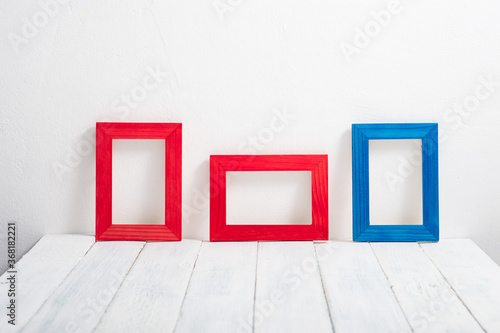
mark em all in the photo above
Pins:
pixel 226 69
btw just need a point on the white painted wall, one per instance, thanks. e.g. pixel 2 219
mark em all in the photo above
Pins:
pixel 226 73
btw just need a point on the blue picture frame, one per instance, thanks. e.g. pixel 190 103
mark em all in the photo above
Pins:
pixel 362 230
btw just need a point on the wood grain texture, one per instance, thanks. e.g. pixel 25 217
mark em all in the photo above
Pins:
pixel 40 272
pixel 172 133
pixel 220 164
pixel 151 295
pixel 80 301
pixel 473 275
pixel 359 296
pixel 427 299
pixel 362 230
pixel 247 287
pixel 220 295
pixel 288 278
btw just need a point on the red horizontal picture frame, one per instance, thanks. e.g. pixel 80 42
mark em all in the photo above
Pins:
pixel 106 132
pixel 317 230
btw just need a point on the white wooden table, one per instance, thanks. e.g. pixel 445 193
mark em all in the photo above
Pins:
pixel 68 283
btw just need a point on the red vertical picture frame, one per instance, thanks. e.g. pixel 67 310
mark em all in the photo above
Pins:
pixel 317 230
pixel 106 132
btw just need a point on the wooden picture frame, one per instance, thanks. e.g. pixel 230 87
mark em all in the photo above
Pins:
pixel 362 230
pixel 220 164
pixel 106 132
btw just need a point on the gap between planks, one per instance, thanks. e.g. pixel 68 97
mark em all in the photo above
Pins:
pixel 324 290
pixel 452 288
pixel 185 292
pixel 153 291
pixel 255 288
pixel 81 299
pixel 359 295
pixel 289 292
pixel 220 294
pixel 41 271
pixel 428 301
pixel 473 276
pixel 392 288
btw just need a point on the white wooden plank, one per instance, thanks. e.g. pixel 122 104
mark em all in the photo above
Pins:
pixel 151 295
pixel 289 290
pixel 424 295
pixel 473 276
pixel 80 301
pixel 359 296
pixel 220 295
pixel 40 272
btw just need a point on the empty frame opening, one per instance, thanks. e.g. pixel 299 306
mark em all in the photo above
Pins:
pixel 138 181
pixel 395 176
pixel 268 198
